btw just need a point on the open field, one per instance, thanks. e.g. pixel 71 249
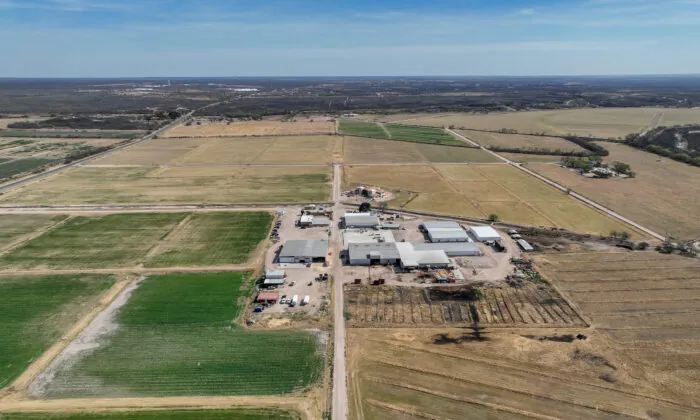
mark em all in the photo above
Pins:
pixel 20 166
pixel 362 129
pixel 664 196
pixel 231 414
pixel 206 239
pixel 645 301
pixel 405 307
pixel 596 122
pixel 228 150
pixel 252 128
pixel 90 185
pixel 131 239
pixel 176 336
pixel 36 310
pixel 507 374
pixel 16 227
pixel 422 135
pixel 480 190
pixel 49 148
pixel 364 150
pixel 528 158
pixel 521 141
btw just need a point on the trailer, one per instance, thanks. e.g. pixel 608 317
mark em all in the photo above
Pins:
pixel 294 301
pixel 306 300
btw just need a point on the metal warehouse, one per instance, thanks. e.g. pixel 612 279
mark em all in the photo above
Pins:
pixel 361 220
pixel 412 258
pixel 484 233
pixel 373 253
pixel 443 231
pixel 304 251
pixel 320 221
pixel 454 249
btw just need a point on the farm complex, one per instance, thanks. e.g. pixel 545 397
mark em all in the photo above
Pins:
pixel 235 260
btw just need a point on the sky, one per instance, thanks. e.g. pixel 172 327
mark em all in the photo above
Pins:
pixel 225 38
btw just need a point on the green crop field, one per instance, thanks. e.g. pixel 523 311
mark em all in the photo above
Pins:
pixel 422 135
pixel 211 239
pixel 178 336
pixel 15 226
pixel 20 166
pixel 230 414
pixel 362 129
pixel 115 240
pixel 36 310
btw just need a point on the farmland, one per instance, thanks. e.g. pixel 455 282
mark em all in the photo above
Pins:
pixel 229 150
pixel 230 414
pixel 450 374
pixel 252 128
pixel 20 166
pixel 408 133
pixel 71 134
pixel 130 239
pixel 363 150
pixel 16 227
pixel 177 335
pixel 645 302
pixel 533 305
pixel 528 158
pixel 206 239
pixel 521 141
pixel 86 185
pixel 595 122
pixel 36 310
pixel 664 196
pixel 480 190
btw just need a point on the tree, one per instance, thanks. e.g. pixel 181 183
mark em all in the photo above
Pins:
pixel 613 234
pixel 642 246
pixel 365 207
pixel 625 236
pixel 493 217
pixel 621 168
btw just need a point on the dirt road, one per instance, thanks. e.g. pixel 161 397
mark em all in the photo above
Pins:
pixel 563 188
pixel 340 392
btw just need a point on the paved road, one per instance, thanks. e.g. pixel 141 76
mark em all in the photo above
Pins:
pixel 563 188
pixel 340 391
pixel 99 155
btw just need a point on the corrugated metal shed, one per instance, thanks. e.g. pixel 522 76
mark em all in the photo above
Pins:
pixel 525 245
pixel 320 221
pixel 484 233
pixel 445 231
pixel 304 248
pixel 452 249
pixel 275 274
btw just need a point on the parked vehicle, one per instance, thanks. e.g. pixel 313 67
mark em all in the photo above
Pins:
pixel 283 299
pixel 306 300
pixel 294 301
pixel 259 308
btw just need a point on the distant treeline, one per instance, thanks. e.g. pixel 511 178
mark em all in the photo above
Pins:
pixel 680 143
pixel 98 123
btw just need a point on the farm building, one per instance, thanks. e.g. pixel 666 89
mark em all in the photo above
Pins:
pixel 373 253
pixel 304 251
pixel 453 249
pixel 361 220
pixel 484 233
pixel 320 222
pixel 274 277
pixel 306 220
pixel 443 231
pixel 268 296
pixel 412 258
pixel 525 245
pixel 362 236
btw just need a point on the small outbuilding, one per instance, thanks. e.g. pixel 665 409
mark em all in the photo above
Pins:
pixel 451 249
pixel 525 245
pixel 268 296
pixel 304 251
pixel 274 277
pixel 320 222
pixel 445 231
pixel 306 220
pixel 484 233
pixel 361 220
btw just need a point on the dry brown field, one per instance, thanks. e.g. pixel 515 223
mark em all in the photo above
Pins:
pixel 365 150
pixel 664 196
pixel 596 122
pixel 252 128
pixel 520 141
pixel 230 150
pixel 177 185
pixel 480 190
pixel 528 158
pixel 49 148
pixel 411 307
pixel 646 302
pixel 443 373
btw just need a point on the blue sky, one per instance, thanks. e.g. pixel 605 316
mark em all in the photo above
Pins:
pixel 131 38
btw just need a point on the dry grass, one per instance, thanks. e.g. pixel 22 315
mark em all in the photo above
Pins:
pixel 480 190
pixel 364 150
pixel 230 150
pixel 528 158
pixel 665 195
pixel 596 122
pixel 521 141
pixel 252 128
pixel 48 148
pixel 645 301
pixel 176 185
pixel 445 373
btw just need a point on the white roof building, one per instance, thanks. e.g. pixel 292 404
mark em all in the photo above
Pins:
pixel 484 233
pixel 355 220
pixel 412 258
pixel 445 231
